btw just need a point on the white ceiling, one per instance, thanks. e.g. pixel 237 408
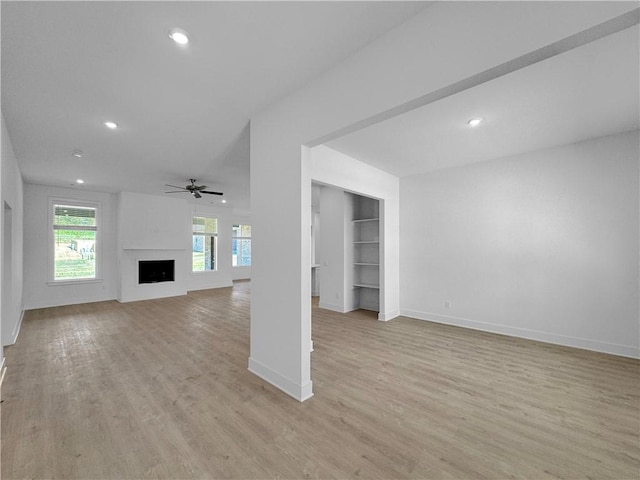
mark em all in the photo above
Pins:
pixel 587 92
pixel 183 112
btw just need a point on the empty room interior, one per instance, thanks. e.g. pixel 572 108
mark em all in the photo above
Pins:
pixel 374 239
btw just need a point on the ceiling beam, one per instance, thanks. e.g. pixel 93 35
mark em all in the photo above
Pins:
pixel 614 25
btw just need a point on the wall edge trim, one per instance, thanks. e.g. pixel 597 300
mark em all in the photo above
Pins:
pixel 300 392
pixel 386 316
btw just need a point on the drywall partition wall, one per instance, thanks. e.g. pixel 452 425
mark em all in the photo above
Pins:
pixel 152 227
pixel 39 291
pixel 280 332
pixel 152 222
pixel 331 251
pixel 334 168
pixel 12 200
pixel 4 138
pixel 542 245
pixel 444 44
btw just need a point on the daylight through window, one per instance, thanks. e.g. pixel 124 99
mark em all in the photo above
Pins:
pixel 205 237
pixel 241 245
pixel 74 234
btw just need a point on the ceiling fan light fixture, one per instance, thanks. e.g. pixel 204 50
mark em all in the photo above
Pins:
pixel 179 36
pixel 193 189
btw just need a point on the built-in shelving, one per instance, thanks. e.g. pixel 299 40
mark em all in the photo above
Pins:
pixel 366 253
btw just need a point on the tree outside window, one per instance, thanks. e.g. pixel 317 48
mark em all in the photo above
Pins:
pixel 74 242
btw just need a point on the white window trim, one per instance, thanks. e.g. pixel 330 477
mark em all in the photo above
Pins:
pixel 51 253
pixel 236 237
pixel 204 215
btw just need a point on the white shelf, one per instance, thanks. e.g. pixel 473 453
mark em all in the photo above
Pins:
pixel 366 285
pixel 360 220
pixel 366 252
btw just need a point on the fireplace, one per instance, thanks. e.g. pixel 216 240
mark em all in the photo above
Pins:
pixel 156 271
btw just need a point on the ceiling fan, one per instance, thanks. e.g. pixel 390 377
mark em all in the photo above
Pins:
pixel 193 189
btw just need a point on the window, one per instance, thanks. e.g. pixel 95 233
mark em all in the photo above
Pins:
pixel 205 237
pixel 75 229
pixel 241 246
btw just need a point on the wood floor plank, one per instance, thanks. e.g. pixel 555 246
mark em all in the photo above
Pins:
pixel 160 389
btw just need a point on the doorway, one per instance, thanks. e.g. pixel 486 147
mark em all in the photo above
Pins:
pixel 6 302
pixel 345 247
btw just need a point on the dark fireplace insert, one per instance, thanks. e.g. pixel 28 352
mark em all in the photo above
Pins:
pixel 155 271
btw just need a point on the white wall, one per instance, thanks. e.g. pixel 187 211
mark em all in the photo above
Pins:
pixel 542 245
pixel 399 67
pixel 11 193
pixel 152 222
pixel 331 251
pixel 39 291
pixel 151 227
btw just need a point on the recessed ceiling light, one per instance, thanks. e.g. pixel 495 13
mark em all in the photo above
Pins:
pixel 80 181
pixel 77 153
pixel 179 36
pixel 111 125
pixel 474 122
pixel 224 201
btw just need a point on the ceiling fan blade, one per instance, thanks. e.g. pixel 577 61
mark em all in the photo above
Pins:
pixel 211 193
pixel 177 191
pixel 174 186
pixel 196 194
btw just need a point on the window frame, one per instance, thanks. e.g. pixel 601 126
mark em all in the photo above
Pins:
pixel 240 237
pixel 205 234
pixel 51 255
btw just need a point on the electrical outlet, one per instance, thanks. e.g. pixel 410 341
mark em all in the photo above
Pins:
pixel 447 304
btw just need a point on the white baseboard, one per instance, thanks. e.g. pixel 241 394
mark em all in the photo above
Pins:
pixel 332 307
pixel 13 337
pixel 65 301
pixel 210 287
pixel 576 342
pixel 3 370
pixel 291 388
pixel 16 330
pixel 386 316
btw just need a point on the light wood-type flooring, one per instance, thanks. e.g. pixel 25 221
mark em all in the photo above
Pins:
pixel 160 389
